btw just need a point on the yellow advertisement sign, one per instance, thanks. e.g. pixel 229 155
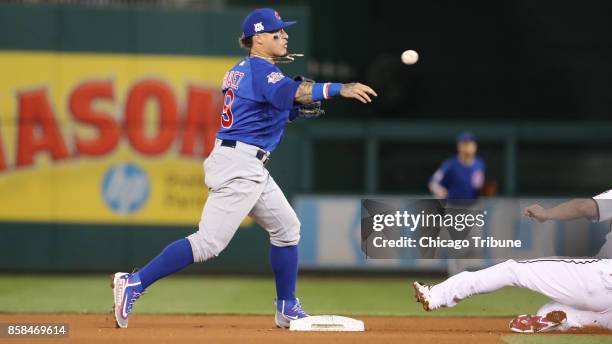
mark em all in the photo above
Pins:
pixel 106 138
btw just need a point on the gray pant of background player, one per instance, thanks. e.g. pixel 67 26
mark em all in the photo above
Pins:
pixel 240 185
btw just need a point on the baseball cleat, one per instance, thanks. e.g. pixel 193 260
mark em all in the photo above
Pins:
pixel 126 290
pixel 535 323
pixel 421 292
pixel 287 310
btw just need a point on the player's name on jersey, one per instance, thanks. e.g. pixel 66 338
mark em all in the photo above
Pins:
pixel 40 130
pixel 437 242
pixel 232 79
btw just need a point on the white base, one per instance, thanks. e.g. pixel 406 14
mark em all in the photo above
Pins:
pixel 327 323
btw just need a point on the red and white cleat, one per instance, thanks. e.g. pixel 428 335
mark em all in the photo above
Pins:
pixel 535 323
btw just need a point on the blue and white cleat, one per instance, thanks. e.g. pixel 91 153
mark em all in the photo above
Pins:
pixel 287 310
pixel 126 289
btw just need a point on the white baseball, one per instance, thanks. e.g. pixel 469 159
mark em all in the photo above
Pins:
pixel 410 57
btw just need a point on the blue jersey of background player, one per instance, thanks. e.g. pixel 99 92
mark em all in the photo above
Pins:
pixel 462 176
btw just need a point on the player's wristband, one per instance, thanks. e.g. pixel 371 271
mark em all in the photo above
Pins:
pixel 321 91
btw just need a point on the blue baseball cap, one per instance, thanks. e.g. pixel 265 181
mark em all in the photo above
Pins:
pixel 263 20
pixel 466 136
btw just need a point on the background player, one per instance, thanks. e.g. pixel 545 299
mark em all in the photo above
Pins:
pixel 259 101
pixel 581 289
pixel 462 176
pixel 459 178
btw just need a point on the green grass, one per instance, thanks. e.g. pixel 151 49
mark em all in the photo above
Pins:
pixel 247 295
pixel 254 295
pixel 557 339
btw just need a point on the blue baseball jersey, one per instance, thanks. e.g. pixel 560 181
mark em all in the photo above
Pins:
pixel 461 181
pixel 257 101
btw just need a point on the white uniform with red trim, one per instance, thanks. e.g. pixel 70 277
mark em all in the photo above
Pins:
pixel 604 212
pixel 582 288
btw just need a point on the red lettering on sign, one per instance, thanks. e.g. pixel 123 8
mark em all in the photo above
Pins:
pixel 201 122
pixel 138 96
pixel 38 130
pixel 81 107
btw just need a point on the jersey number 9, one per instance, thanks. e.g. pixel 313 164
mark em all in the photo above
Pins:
pixel 226 117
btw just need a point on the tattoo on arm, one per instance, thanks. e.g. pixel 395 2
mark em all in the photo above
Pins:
pixel 303 95
pixel 347 87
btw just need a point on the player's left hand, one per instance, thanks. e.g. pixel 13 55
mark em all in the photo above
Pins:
pixel 537 212
pixel 358 91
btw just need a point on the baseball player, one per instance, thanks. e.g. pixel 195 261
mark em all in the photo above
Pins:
pixel 259 102
pixel 581 289
pixel 459 180
pixel 462 176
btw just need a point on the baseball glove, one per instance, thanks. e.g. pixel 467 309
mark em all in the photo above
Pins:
pixel 312 110
pixel 308 111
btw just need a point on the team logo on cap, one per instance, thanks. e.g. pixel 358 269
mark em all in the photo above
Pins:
pixel 259 27
pixel 277 15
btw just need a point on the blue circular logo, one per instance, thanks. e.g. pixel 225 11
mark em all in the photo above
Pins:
pixel 125 188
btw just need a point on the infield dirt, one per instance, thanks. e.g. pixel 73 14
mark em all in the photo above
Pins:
pixel 179 329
